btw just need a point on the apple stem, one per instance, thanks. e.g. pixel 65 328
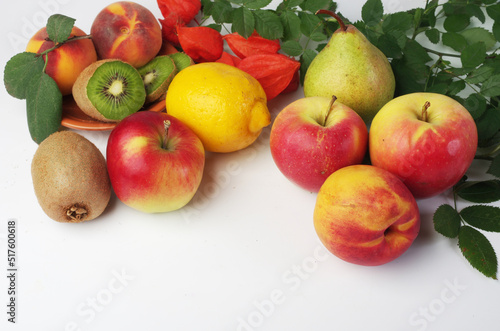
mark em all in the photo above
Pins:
pixel 330 107
pixel 343 27
pixel 166 126
pixel 425 115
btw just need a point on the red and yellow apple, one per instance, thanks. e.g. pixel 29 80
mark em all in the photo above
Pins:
pixel 428 140
pixel 155 162
pixel 313 137
pixel 366 215
pixel 127 31
pixel 65 63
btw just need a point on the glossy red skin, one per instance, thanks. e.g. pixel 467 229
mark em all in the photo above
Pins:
pixel 307 152
pixel 365 215
pixel 146 176
pixel 429 161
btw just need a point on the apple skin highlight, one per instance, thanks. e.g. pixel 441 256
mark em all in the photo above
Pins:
pixel 152 173
pixel 429 155
pixel 306 149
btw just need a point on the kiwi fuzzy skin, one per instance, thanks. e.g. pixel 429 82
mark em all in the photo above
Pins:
pixel 70 178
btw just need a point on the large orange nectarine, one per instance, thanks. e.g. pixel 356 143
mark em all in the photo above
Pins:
pixel 366 215
pixel 66 62
pixel 127 31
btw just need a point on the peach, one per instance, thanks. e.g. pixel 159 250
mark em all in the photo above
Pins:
pixel 66 62
pixel 366 215
pixel 126 31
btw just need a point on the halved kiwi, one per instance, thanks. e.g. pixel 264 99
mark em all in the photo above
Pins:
pixel 181 60
pixel 157 75
pixel 109 90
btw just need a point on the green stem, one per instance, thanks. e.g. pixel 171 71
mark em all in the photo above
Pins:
pixel 56 46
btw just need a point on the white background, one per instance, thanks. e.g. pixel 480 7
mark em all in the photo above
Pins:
pixel 243 255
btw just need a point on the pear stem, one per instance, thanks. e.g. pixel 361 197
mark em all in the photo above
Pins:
pixel 329 111
pixel 166 126
pixel 343 27
pixel 425 115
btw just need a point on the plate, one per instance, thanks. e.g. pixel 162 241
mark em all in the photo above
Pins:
pixel 74 118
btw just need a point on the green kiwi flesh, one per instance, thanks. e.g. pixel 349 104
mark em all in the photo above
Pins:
pixel 70 178
pixel 181 60
pixel 157 75
pixel 109 90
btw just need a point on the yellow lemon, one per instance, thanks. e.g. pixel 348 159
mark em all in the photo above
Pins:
pixel 223 105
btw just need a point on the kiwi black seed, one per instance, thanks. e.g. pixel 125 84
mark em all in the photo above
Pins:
pixel 109 90
pixel 157 75
pixel 70 178
pixel 181 60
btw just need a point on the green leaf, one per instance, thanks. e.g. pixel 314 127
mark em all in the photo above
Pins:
pixel 474 35
pixel 305 60
pixel 44 107
pixel 222 12
pixel 19 71
pixel 475 10
pixel 454 40
pixel 59 27
pixel 243 22
pixel 477 249
pixel 494 168
pixel 491 87
pixel 475 104
pixel 292 48
pixel 309 23
pixel 494 12
pixel 256 4
pixel 480 74
pixel 447 221
pixel 286 5
pixel 456 23
pixel 291 25
pixel 488 125
pixel 400 21
pixel 314 5
pixel 496 30
pixel 372 12
pixel 433 35
pixel 268 24
pixel 389 45
pixel 473 55
pixel 482 217
pixel 486 191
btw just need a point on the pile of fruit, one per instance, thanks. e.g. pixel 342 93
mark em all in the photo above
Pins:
pixel 368 154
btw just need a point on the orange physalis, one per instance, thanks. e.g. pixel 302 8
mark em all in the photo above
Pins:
pixel 201 43
pixel 255 44
pixel 273 71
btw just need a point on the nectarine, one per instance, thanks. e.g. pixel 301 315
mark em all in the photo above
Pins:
pixel 127 31
pixel 66 62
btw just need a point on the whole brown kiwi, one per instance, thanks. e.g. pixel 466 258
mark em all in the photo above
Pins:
pixel 70 178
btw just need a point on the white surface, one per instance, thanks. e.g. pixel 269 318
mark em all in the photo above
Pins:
pixel 243 255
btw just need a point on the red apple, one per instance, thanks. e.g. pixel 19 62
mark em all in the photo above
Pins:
pixel 313 137
pixel 366 215
pixel 155 162
pixel 428 140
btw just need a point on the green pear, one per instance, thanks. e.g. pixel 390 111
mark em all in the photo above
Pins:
pixel 352 69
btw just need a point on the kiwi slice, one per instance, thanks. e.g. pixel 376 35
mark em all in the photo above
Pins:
pixel 109 90
pixel 181 60
pixel 70 178
pixel 157 75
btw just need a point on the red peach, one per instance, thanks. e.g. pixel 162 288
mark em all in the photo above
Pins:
pixel 66 62
pixel 366 215
pixel 127 31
